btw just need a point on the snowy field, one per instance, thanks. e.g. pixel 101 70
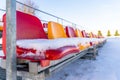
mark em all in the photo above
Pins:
pixel 106 67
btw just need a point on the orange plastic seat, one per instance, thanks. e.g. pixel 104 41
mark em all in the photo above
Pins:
pixel 1 28
pixel 78 33
pixel 55 30
pixel 81 47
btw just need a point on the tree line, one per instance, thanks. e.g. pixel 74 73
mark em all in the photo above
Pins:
pixel 109 33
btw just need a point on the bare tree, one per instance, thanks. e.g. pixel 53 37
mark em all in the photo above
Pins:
pixel 27 9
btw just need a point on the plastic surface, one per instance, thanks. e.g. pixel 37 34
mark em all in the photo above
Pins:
pixel 54 54
pixel 78 33
pixel 84 33
pixel 28 27
pixel 55 30
pixel 70 32
pixel 24 51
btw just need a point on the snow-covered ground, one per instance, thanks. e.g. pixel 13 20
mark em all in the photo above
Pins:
pixel 106 67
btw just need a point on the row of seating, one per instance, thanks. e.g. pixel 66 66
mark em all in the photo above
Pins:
pixel 71 32
pixel 35 45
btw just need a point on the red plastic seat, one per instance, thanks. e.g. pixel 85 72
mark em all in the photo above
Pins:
pixel 28 27
pixel 84 33
pixel 54 54
pixel 70 32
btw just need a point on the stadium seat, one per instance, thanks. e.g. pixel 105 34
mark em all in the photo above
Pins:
pixel 83 33
pixel 55 30
pixel 70 32
pixel 81 47
pixel 78 33
pixel 55 54
pixel 28 27
pixel 91 35
pixel 1 28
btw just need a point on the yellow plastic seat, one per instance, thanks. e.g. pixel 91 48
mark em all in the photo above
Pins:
pixel 78 33
pixel 55 30
pixel 81 47
pixel 1 28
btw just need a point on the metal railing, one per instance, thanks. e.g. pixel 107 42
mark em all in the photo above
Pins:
pixel 45 12
pixel 58 19
pixel 2 10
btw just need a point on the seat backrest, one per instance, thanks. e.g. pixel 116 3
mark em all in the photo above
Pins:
pixel 78 33
pixel 55 30
pixel 70 31
pixel 84 33
pixel 91 35
pixel 27 27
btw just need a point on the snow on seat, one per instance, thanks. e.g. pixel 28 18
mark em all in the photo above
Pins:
pixel 55 31
pixel 51 49
pixel 60 52
pixel 28 27
pixel 70 32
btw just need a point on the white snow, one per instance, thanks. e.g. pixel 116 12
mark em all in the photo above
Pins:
pixel 1 54
pixel 106 67
pixel 44 44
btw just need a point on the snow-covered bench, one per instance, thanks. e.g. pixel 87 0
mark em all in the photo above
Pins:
pixel 30 32
pixel 33 44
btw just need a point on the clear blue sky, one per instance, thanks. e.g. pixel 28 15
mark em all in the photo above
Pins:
pixel 91 14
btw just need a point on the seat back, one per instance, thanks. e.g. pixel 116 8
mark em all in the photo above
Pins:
pixel 27 27
pixel 55 30
pixel 91 35
pixel 70 32
pixel 84 33
pixel 78 33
